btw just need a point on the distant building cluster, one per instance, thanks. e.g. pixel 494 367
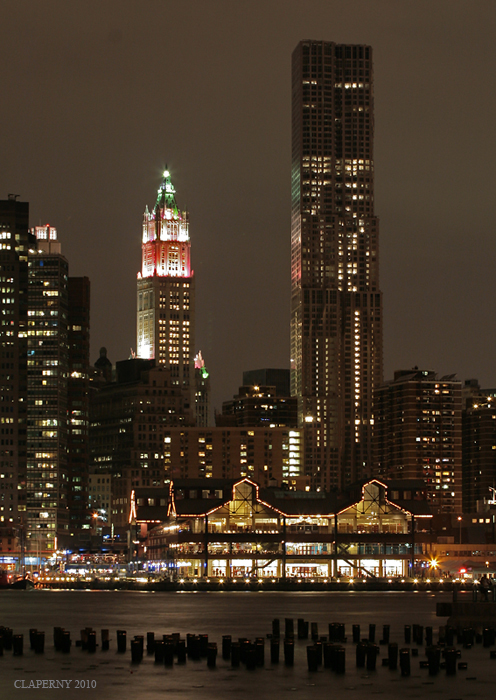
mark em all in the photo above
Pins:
pixel 86 448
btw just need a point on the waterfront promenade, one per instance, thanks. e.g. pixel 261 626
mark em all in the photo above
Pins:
pixel 144 582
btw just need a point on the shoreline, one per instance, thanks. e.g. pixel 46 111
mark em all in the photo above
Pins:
pixel 292 585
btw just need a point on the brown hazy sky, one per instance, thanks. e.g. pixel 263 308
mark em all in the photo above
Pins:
pixel 97 96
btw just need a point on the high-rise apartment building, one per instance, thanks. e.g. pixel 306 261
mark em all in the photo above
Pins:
pixel 48 357
pixel 269 455
pixel 336 303
pixel 478 446
pixel 44 343
pixel 15 243
pixel 166 291
pixel 418 434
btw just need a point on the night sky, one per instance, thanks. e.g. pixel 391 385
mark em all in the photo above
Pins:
pixel 98 96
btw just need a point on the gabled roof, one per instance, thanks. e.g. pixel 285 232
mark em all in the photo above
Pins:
pixel 144 492
pixel 199 506
pixel 415 506
pixel 418 508
pixel 204 506
pixel 284 502
pixel 296 503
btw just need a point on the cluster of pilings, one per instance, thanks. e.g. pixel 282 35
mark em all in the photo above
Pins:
pixel 327 651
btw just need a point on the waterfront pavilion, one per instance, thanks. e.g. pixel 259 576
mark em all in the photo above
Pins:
pixel 229 528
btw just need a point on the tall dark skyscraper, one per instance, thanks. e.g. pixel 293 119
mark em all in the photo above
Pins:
pixel 336 303
pixel 15 243
pixel 78 387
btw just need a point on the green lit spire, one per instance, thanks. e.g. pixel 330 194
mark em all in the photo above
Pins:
pixel 166 192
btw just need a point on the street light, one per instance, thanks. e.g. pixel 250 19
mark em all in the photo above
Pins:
pixel 460 529
pixel 95 517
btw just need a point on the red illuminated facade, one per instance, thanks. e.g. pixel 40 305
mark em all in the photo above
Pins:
pixel 166 244
pixel 165 321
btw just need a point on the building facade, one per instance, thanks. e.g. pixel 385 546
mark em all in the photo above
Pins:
pixel 258 406
pixel 418 434
pixel 478 451
pixel 336 302
pixel 78 402
pixel 166 290
pixel 47 510
pixel 128 418
pixel 100 497
pixel 268 454
pixel 15 242
pixel 234 528
pixel 44 344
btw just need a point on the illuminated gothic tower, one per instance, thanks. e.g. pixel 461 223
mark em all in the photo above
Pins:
pixel 166 291
pixel 336 304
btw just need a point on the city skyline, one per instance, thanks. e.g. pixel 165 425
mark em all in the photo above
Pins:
pixel 86 154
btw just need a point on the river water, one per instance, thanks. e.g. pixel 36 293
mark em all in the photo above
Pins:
pixel 240 614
